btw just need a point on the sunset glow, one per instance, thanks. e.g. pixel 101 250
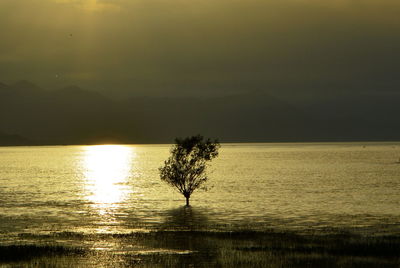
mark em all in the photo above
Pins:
pixel 107 170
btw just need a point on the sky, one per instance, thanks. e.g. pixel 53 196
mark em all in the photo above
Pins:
pixel 295 49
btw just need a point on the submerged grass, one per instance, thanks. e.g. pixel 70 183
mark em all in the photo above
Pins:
pixel 215 249
pixel 26 252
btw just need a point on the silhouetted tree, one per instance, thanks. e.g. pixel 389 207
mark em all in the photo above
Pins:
pixel 185 169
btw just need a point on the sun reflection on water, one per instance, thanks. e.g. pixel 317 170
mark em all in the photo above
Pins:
pixel 107 169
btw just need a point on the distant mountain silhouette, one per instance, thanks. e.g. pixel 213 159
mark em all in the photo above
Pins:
pixel 12 140
pixel 25 85
pixel 2 86
pixel 76 116
pixel 359 116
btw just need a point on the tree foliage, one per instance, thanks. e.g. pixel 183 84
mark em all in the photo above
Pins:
pixel 185 169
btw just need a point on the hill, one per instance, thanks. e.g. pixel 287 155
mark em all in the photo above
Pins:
pixel 76 116
pixel 13 140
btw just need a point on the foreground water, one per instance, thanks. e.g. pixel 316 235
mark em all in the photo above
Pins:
pixel 63 192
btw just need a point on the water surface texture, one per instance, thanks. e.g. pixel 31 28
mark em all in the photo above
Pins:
pixel 115 189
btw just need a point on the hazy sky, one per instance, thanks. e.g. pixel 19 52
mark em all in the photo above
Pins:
pixel 285 47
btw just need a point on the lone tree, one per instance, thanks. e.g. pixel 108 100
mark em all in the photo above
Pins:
pixel 185 169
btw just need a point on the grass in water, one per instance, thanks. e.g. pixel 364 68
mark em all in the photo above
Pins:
pixel 215 249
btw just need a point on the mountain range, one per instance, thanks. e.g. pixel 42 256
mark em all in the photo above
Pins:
pixel 30 115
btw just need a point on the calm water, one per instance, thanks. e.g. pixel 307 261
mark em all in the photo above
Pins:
pixel 89 190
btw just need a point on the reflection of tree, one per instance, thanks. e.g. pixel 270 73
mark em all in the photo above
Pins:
pixel 183 239
pixel 185 229
pixel 185 218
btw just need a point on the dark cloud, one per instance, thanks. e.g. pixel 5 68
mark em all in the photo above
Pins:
pixel 287 48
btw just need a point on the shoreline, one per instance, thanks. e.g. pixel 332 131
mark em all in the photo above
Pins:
pixel 212 249
pixel 317 142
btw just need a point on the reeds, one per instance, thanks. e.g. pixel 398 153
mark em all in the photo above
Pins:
pixel 215 249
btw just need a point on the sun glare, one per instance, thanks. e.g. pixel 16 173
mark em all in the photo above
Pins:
pixel 107 168
pixel 91 5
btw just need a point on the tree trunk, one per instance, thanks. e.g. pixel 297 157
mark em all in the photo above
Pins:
pixel 187 201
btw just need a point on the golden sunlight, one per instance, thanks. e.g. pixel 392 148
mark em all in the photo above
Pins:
pixel 91 5
pixel 107 168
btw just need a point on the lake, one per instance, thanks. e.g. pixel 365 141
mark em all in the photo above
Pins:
pixel 59 193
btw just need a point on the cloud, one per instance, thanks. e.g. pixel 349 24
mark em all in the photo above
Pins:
pixel 291 47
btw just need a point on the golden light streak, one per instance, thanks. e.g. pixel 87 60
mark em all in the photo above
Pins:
pixel 107 170
pixel 91 5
